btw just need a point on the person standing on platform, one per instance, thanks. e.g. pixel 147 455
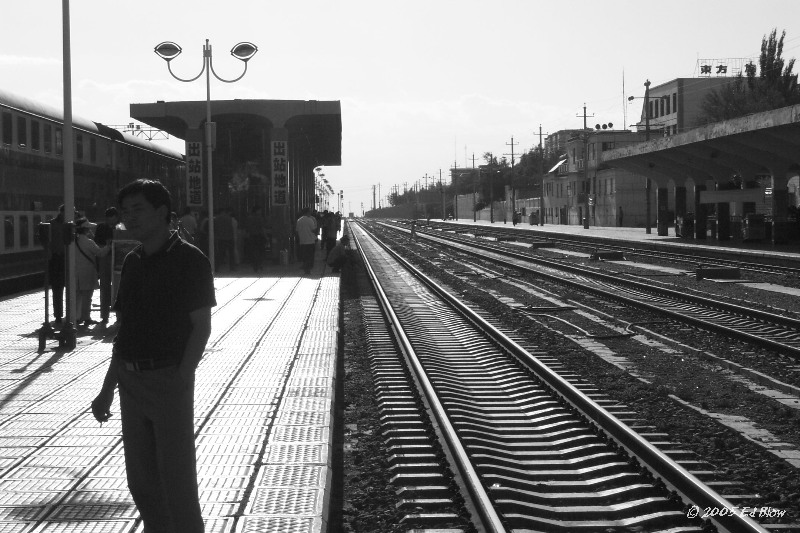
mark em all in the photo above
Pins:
pixel 224 238
pixel 330 230
pixel 188 225
pixel 256 229
pixel 86 270
pixel 164 313
pixel 56 264
pixel 103 235
pixel 306 229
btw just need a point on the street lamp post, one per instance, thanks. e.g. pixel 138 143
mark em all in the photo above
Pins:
pixel 646 138
pixel 68 333
pixel 243 51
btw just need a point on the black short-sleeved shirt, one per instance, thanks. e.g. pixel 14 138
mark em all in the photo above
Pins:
pixel 156 296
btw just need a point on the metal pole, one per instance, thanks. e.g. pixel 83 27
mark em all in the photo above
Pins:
pixel 585 170
pixel 69 332
pixel 647 138
pixel 209 150
pixel 541 171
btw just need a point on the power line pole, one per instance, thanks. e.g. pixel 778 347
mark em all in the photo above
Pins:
pixel 513 189
pixel 441 190
pixel 585 136
pixel 647 138
pixel 541 172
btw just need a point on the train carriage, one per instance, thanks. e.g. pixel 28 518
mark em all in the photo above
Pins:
pixel 32 173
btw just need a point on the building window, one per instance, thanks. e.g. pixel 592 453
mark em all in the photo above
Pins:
pixel 7 128
pixel 662 106
pixel 650 109
pixel 59 141
pixel 92 149
pixel 35 142
pixel 79 146
pixel 22 132
pixel 48 139
pixel 674 102
pixel 667 101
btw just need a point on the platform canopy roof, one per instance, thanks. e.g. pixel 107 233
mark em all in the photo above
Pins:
pixel 317 122
pixel 757 144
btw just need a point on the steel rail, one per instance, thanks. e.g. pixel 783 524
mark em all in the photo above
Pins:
pixel 739 311
pixel 490 520
pixel 691 488
pixel 710 254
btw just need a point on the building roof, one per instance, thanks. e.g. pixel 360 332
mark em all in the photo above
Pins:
pixel 319 122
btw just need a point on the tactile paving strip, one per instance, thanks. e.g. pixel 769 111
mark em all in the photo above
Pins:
pixel 282 524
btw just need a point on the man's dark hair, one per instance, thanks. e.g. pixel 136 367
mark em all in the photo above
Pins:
pixel 112 212
pixel 153 191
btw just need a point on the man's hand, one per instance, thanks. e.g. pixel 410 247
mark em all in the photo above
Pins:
pixel 101 406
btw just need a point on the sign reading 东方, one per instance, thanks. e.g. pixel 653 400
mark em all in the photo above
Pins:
pixel 724 67
pixel 194 173
pixel 280 173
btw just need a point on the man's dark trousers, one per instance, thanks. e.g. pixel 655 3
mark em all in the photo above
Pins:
pixel 157 409
pixel 307 256
pixel 57 275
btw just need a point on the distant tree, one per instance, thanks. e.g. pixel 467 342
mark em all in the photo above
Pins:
pixel 774 87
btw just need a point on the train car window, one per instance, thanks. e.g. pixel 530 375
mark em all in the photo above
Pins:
pixel 92 149
pixel 23 231
pixel 7 128
pixel 48 138
pixel 59 141
pixel 8 230
pixel 79 146
pixel 22 132
pixel 35 140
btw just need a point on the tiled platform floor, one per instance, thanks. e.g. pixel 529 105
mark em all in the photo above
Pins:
pixel 263 407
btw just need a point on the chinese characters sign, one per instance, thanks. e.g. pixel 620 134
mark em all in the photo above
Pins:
pixel 280 174
pixel 194 174
pixel 724 67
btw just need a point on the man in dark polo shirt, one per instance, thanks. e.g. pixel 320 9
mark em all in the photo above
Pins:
pixel 164 313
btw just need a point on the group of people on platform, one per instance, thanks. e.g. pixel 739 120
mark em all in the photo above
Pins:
pixel 310 228
pixel 93 268
pixel 93 241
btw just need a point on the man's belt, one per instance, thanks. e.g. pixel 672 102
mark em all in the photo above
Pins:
pixel 142 365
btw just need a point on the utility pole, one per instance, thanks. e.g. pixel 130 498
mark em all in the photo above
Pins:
pixel 491 191
pixel 373 197
pixel 513 189
pixel 474 190
pixel 441 190
pixel 647 138
pixel 585 136
pixel 541 171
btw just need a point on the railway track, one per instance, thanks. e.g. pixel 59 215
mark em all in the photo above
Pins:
pixel 773 330
pixel 531 449
pixel 717 257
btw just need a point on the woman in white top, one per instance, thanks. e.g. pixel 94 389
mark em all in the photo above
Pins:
pixel 86 270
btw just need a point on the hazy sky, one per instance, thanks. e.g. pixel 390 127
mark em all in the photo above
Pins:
pixel 422 83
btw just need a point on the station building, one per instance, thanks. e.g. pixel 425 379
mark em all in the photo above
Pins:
pixel 264 153
pixel 705 179
pixel 580 186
